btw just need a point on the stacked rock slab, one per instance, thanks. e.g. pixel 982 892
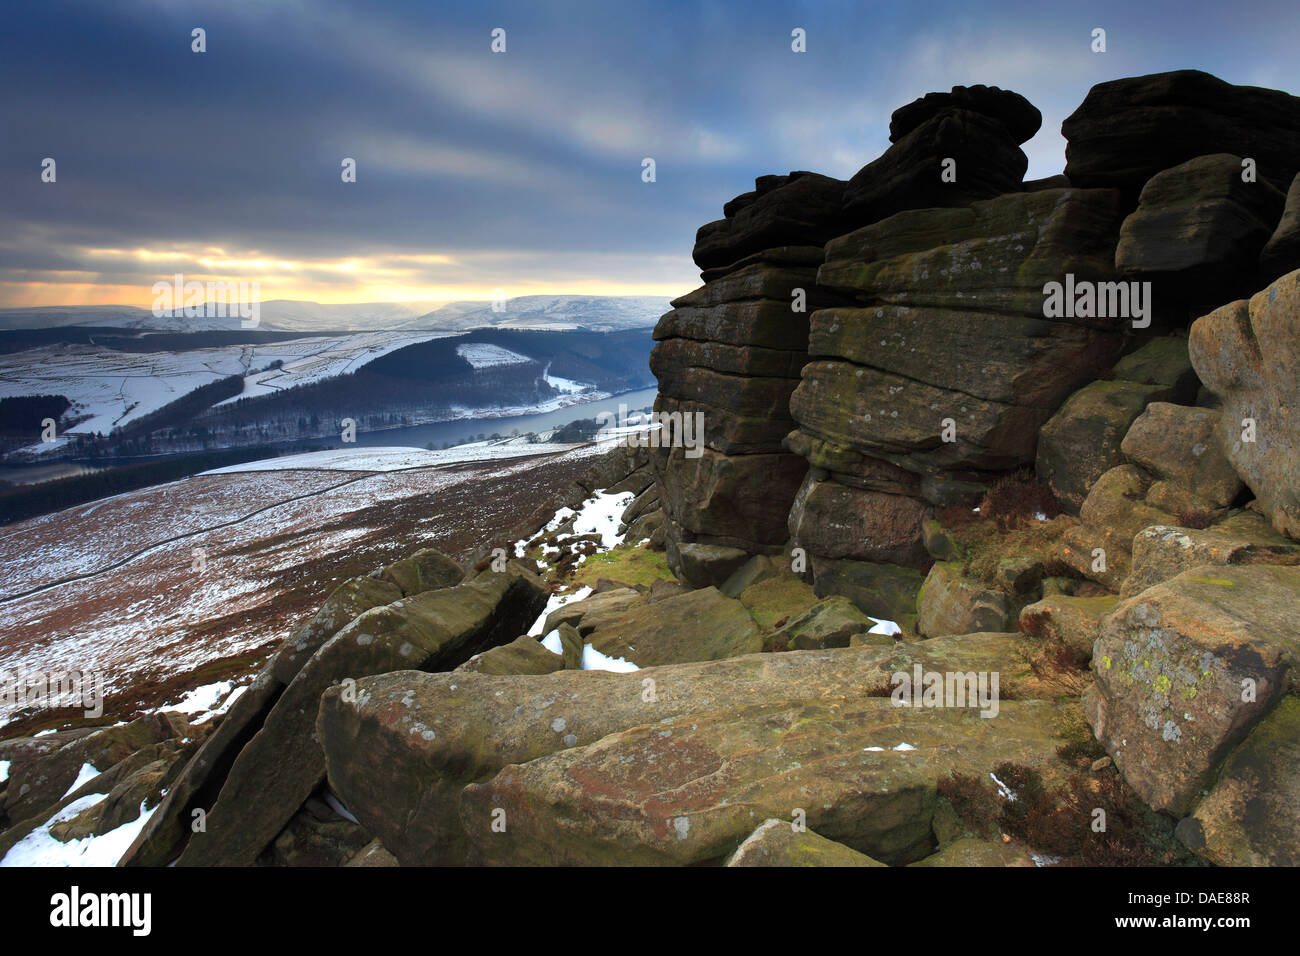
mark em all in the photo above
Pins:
pixel 945 368
pixel 715 353
pixel 728 356
pixel 1127 130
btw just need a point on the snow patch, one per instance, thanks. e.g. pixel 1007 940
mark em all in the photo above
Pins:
pixel 84 776
pixel 554 602
pixel 594 660
pixel 39 848
pixel 551 642
pixel 602 514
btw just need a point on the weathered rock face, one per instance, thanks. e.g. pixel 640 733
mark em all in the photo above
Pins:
pixel 708 565
pixel 1176 474
pixel 700 625
pixel 1115 510
pixel 834 520
pixel 1017 114
pixel 523 655
pixel 950 282
pixel 401 752
pixel 739 501
pixel 833 622
pixel 1128 130
pixel 690 789
pixel 947 604
pixel 886 591
pixel 1186 668
pixel 729 355
pixel 1071 621
pixel 1198 231
pixel 1180 446
pixel 1248 354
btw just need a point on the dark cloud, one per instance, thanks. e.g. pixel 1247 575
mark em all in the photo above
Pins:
pixel 530 160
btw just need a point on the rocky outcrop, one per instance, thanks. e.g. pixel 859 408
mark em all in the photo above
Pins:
pixel 954 282
pixel 801 209
pixel 1161 553
pixel 984 158
pixel 1128 130
pixel 1248 354
pixel 728 356
pixel 1101 546
pixel 876 364
pixel 1176 475
pixel 1081 442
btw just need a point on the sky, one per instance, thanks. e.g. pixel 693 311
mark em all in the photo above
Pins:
pixel 518 171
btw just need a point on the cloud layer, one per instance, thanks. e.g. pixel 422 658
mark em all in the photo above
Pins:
pixel 478 171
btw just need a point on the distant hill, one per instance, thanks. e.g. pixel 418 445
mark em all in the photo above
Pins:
pixel 553 312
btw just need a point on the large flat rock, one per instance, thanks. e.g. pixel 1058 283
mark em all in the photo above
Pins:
pixel 689 790
pixel 400 753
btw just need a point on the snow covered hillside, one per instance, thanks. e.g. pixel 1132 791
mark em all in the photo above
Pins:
pixel 109 388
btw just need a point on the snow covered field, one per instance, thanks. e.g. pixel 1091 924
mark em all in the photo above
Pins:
pixel 114 388
pixel 311 360
pixel 484 355
pixel 367 458
pixel 147 586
